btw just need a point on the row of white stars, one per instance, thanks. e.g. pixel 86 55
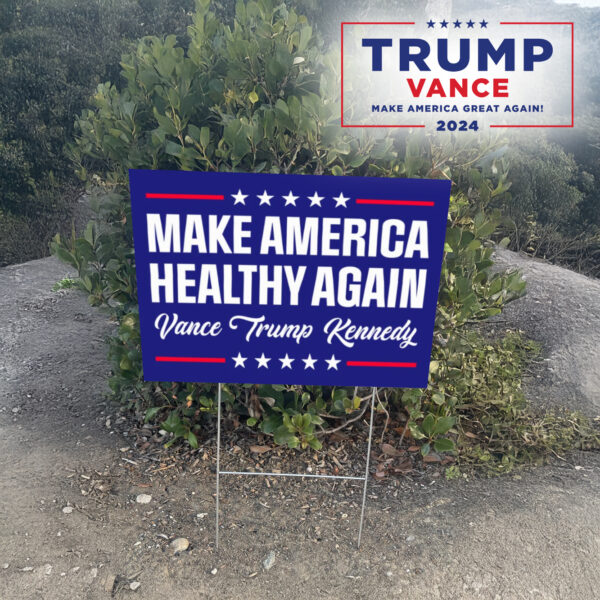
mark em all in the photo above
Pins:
pixel 286 361
pixel 290 199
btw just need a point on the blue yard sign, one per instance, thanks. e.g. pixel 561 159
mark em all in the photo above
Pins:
pixel 288 279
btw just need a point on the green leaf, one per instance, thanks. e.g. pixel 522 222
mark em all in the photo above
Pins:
pixel 65 256
pixel 443 425
pixel 436 397
pixel 443 445
pixel 283 436
pixel 282 106
pixel 192 440
pixel 428 424
pixel 305 35
pixel 173 148
pixel 271 423
pixel 204 137
pixel 151 413
pixel 415 431
pixel 165 123
pixel 315 444
pixel 125 364
pixel 171 423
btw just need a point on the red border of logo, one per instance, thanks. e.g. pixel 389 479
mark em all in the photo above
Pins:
pixel 571 23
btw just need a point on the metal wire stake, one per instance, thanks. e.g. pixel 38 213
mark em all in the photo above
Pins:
pixel 219 472
pixel 362 512
pixel 218 463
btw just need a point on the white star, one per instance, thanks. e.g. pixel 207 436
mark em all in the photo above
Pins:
pixel 263 361
pixel 315 199
pixel 332 362
pixel 341 200
pixel 286 362
pixel 309 362
pixel 290 199
pixel 265 198
pixel 239 198
pixel 239 360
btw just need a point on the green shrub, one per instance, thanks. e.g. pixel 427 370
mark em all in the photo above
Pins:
pixel 497 429
pixel 52 56
pixel 263 96
pixel 542 177
pixel 553 208
pixel 27 236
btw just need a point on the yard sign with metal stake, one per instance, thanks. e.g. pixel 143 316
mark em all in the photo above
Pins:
pixel 341 272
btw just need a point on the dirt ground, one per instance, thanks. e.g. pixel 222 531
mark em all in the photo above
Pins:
pixel 71 528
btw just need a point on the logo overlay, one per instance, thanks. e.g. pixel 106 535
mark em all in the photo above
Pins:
pixel 461 74
pixel 292 279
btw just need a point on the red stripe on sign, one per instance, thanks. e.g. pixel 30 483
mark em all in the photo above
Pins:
pixel 397 202
pixel 187 196
pixel 367 363
pixel 190 359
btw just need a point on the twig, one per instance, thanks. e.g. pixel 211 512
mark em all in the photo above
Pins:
pixel 403 434
pixel 345 424
pixel 387 417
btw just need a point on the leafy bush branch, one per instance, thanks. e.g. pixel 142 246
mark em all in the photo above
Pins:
pixel 262 95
